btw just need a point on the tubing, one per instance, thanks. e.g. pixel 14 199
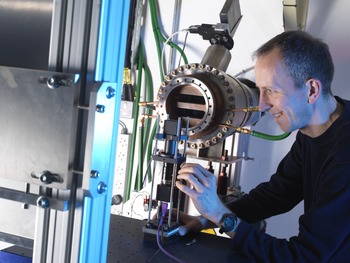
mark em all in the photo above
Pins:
pixel 160 38
pixel 270 137
pixel 148 138
pixel 134 127
pixel 263 135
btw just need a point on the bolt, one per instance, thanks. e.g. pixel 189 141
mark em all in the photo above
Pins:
pixel 53 82
pixel 100 108
pixel 101 188
pixel 46 177
pixel 43 202
pixel 110 92
pixel 94 174
pixel 117 199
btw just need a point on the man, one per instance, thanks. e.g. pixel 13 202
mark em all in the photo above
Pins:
pixel 293 72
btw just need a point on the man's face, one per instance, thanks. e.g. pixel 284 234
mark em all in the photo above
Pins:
pixel 278 94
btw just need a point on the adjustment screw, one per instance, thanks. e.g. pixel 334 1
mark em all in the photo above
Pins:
pixel 94 174
pixel 43 202
pixel 53 82
pixel 110 92
pixel 101 188
pixel 100 108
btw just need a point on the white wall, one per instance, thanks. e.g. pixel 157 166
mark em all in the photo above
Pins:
pixel 330 21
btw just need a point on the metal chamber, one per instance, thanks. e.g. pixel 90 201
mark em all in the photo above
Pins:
pixel 211 99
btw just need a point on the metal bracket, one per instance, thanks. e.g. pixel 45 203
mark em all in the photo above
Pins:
pixel 32 199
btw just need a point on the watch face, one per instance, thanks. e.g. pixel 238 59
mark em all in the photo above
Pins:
pixel 229 222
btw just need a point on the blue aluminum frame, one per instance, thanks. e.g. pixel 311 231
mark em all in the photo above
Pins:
pixel 112 40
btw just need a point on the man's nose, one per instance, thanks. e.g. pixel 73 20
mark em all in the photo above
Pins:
pixel 263 103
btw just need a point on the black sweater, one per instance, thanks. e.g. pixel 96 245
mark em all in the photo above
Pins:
pixel 316 170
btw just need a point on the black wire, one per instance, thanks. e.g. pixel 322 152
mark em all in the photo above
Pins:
pixel 131 22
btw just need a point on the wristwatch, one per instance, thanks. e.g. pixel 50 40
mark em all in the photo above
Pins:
pixel 228 223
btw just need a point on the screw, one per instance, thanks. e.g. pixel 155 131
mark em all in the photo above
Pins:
pixel 94 174
pixel 100 108
pixel 53 82
pixel 43 202
pixel 101 188
pixel 110 92
pixel 46 177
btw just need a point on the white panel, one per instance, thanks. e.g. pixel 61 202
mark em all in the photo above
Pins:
pixel 329 20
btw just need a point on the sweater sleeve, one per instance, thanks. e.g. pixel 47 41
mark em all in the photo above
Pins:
pixel 279 195
pixel 324 229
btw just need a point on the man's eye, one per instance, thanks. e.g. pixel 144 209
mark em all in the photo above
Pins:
pixel 270 91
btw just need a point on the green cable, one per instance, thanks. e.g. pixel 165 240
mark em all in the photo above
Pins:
pixel 270 137
pixel 155 33
pixel 148 138
pixel 149 97
pixel 160 38
pixel 263 135
pixel 134 128
pixel 138 179
pixel 149 149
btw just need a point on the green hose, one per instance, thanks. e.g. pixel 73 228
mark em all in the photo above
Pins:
pixel 134 127
pixel 263 135
pixel 270 137
pixel 148 138
pixel 138 179
pixel 144 133
pixel 160 38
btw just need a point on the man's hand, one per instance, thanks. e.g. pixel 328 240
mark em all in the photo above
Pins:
pixel 201 188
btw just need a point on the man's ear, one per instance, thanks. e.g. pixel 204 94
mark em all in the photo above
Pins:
pixel 315 88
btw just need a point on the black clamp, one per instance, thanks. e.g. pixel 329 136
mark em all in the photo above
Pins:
pixel 215 35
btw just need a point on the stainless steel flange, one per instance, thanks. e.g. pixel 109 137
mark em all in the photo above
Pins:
pixel 208 97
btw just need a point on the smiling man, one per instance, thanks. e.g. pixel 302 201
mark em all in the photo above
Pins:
pixel 294 72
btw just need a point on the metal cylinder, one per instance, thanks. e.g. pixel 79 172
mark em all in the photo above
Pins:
pixel 207 96
pixel 217 56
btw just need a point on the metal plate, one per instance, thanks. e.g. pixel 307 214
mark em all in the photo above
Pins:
pixel 38 125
